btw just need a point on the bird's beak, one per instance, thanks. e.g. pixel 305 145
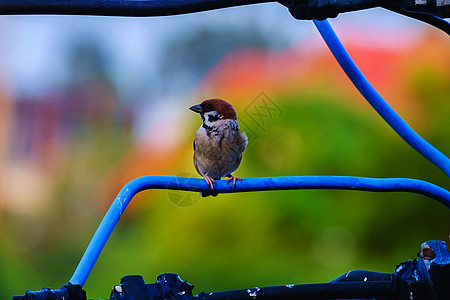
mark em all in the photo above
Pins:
pixel 196 108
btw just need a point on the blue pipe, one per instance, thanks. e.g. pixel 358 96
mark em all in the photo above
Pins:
pixel 286 183
pixel 378 103
pixel 135 186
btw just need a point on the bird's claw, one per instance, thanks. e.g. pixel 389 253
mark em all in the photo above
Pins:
pixel 209 181
pixel 234 178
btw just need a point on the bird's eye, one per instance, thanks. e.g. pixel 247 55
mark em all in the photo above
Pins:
pixel 208 107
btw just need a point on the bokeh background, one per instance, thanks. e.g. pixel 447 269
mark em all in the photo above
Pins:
pixel 90 103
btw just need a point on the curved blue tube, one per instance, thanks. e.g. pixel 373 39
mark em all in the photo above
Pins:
pixel 124 197
pixel 286 183
pixel 378 103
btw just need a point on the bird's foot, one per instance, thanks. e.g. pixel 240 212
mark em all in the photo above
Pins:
pixel 234 178
pixel 209 181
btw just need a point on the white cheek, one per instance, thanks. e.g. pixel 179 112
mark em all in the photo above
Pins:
pixel 212 114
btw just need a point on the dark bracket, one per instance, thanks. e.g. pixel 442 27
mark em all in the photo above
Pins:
pixel 424 278
pixel 323 9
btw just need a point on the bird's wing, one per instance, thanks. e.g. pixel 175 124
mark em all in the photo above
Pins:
pixel 241 142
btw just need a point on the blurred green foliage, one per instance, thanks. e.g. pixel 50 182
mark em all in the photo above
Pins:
pixel 254 239
pixel 258 239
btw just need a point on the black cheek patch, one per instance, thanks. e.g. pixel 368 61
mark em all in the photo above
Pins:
pixel 212 118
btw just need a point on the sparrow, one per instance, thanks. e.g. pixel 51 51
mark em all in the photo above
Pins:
pixel 218 143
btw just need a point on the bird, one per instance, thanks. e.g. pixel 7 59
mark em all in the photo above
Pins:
pixel 218 143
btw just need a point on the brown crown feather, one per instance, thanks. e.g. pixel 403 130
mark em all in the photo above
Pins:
pixel 225 109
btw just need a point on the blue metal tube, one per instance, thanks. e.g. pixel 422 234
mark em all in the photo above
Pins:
pixel 377 102
pixel 247 185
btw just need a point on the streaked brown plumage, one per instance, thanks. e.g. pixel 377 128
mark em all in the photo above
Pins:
pixel 218 143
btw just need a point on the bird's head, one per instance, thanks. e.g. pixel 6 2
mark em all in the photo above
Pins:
pixel 213 110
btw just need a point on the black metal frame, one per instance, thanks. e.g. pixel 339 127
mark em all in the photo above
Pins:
pixel 424 278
